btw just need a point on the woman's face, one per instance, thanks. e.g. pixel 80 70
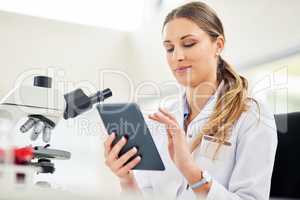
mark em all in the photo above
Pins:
pixel 191 54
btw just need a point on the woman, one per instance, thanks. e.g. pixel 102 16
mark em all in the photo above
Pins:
pixel 219 143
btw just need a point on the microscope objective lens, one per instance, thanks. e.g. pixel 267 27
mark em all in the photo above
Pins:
pixel 38 128
pixel 27 125
pixel 47 134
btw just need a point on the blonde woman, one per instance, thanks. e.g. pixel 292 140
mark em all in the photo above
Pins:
pixel 216 141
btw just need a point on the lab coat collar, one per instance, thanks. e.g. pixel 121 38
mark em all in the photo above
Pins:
pixel 207 109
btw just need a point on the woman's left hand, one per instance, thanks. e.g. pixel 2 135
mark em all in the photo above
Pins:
pixel 178 147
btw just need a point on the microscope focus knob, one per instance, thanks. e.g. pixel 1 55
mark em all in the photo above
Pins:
pixel 42 81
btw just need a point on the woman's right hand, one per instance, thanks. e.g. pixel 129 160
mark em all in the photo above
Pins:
pixel 116 163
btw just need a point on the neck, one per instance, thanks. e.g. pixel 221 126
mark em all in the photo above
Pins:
pixel 198 96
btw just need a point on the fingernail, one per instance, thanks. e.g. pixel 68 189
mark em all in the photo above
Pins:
pixel 123 139
pixel 134 149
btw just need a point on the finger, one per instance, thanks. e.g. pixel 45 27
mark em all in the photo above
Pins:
pixel 158 116
pixel 124 170
pixel 109 140
pixel 167 113
pixel 170 138
pixel 164 119
pixel 124 158
pixel 170 125
pixel 170 144
pixel 153 117
pixel 116 149
pixel 108 144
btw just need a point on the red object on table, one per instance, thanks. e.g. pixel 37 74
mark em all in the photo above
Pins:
pixel 22 155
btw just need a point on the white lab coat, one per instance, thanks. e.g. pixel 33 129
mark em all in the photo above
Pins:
pixel 241 171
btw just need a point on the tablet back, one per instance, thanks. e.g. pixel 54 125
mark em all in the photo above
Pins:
pixel 126 119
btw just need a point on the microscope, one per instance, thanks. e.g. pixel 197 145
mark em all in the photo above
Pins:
pixel 43 108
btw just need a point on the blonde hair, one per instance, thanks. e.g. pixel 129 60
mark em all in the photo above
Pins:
pixel 233 97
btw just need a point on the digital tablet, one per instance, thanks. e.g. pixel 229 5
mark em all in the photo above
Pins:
pixel 126 119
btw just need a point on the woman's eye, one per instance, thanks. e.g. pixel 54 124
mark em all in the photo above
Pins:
pixel 189 45
pixel 170 49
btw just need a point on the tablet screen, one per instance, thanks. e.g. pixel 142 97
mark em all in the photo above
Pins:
pixel 126 119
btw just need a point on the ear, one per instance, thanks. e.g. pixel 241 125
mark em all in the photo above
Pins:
pixel 220 42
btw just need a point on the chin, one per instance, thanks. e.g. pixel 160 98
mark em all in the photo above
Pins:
pixel 186 83
pixel 190 82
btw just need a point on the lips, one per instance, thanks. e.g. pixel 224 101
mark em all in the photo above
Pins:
pixel 182 68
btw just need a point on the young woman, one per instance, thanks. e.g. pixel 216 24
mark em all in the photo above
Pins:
pixel 217 142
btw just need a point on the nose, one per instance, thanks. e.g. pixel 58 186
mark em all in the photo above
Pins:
pixel 178 54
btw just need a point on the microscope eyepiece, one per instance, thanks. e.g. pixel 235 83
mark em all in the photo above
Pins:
pixel 100 96
pixel 106 93
pixel 77 102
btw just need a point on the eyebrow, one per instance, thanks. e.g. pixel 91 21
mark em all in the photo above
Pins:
pixel 183 37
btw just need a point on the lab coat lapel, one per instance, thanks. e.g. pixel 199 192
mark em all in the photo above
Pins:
pixel 177 111
pixel 209 106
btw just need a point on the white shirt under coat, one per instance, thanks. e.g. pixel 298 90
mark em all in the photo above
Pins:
pixel 241 171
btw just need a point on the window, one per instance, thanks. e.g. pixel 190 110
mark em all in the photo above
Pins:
pixel 120 15
pixel 277 83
